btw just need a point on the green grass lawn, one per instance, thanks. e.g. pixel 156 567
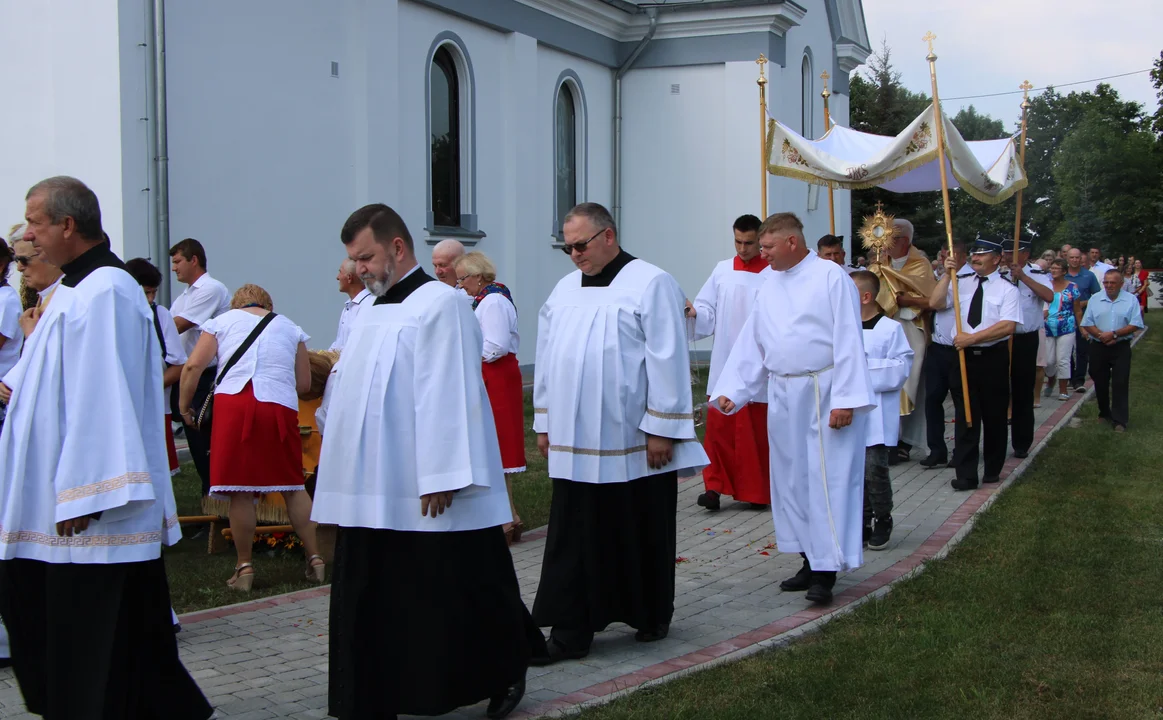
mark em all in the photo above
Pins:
pixel 198 580
pixel 1051 608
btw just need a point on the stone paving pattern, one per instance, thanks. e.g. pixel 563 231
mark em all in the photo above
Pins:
pixel 268 658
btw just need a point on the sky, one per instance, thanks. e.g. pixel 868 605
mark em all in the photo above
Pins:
pixel 989 46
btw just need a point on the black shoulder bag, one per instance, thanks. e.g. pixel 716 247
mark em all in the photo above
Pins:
pixel 206 413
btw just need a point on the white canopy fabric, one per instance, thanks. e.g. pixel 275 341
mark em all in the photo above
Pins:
pixel 989 170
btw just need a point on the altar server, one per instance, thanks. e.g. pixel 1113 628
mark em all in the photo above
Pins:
pixel 426 613
pixel 1035 289
pixel 613 413
pixel 736 444
pixel 803 340
pixel 890 360
pixel 85 496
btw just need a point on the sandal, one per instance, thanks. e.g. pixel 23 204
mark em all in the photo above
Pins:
pixel 241 581
pixel 515 532
pixel 314 572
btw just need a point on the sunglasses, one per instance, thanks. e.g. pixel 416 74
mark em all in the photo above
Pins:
pixel 568 249
pixel 22 260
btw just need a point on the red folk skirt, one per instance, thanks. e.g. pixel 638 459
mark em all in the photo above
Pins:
pixel 503 384
pixel 171 448
pixel 737 446
pixel 254 446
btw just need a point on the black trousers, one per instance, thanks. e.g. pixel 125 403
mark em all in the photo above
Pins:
pixel 199 444
pixel 96 642
pixel 941 372
pixel 1023 375
pixel 1110 368
pixel 1079 361
pixel 987 369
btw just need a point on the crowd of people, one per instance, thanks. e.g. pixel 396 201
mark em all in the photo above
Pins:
pixel 823 376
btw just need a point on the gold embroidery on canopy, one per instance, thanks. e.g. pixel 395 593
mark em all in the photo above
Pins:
pixel 103 486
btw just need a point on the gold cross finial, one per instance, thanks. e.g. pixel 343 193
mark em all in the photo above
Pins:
pixel 761 62
pixel 878 206
pixel 825 76
pixel 929 38
pixel 1026 87
pixel 825 93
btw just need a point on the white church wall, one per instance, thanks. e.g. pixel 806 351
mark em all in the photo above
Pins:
pixel 261 147
pixel 77 110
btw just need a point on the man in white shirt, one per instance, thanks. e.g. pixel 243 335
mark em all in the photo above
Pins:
pixel 357 295
pixel 990 312
pixel 204 298
pixel 1035 289
pixel 1096 265
pixel 803 344
pixel 85 492
pixel 444 256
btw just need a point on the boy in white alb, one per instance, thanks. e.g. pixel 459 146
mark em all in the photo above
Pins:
pixel 890 359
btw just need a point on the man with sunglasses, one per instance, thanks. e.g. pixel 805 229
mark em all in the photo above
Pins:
pixel 736 444
pixel 613 414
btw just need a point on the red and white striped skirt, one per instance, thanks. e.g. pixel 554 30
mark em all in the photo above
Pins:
pixel 254 446
pixel 503 384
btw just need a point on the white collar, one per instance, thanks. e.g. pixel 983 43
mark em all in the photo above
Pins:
pixel 48 290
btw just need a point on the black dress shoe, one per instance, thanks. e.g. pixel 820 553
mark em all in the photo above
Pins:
pixel 799 582
pixel 709 500
pixel 758 506
pixel 654 635
pixel 501 705
pixel 991 479
pixel 1021 454
pixel 961 484
pixel 556 653
pixel 819 594
pixel 933 460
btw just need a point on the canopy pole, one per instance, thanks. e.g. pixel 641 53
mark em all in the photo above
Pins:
pixel 762 82
pixel 1025 87
pixel 825 93
pixel 932 58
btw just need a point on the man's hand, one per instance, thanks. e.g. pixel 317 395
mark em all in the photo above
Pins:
pixel 5 393
pixel 908 301
pixel 1106 338
pixel 659 451
pixel 1017 270
pixel 690 310
pixel 29 319
pixel 435 503
pixel 725 405
pixel 839 418
pixel 76 526
pixel 543 444
pixel 963 340
pixel 951 265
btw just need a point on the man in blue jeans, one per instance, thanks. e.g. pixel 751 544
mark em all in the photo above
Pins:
pixel 1111 319
pixel 1087 285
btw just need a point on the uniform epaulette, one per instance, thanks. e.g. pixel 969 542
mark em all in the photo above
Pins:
pixel 965 275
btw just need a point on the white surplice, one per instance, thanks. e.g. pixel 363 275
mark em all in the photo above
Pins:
pixel 890 359
pixel 612 367
pixel 406 415
pixel 722 306
pixel 84 432
pixel 804 339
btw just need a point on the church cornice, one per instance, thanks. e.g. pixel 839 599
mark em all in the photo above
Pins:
pixel 615 21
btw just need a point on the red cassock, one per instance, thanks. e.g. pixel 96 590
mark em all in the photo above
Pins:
pixel 737 446
pixel 171 448
pixel 503 384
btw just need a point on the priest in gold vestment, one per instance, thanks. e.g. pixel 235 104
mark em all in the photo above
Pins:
pixel 906 281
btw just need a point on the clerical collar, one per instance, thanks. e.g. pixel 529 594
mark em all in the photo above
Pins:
pixel 754 265
pixel 49 290
pixel 98 256
pixel 608 273
pixel 404 287
pixel 871 322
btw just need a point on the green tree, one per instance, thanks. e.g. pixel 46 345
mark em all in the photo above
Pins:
pixel 1157 81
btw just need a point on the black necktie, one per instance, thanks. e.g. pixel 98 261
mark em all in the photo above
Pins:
pixel 975 303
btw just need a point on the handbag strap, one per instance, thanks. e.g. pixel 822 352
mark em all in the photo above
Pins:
pixel 157 326
pixel 262 324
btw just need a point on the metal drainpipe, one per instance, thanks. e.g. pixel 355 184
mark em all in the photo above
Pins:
pixel 161 149
pixel 625 67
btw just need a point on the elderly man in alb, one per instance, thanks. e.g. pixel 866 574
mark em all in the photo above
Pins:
pixel 906 282
pixel 426 613
pixel 613 413
pixel 737 444
pixel 804 342
pixel 85 496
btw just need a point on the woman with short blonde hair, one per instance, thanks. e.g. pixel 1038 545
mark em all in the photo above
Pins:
pixel 255 435
pixel 494 308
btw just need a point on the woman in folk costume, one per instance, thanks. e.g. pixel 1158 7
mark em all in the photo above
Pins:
pixel 255 440
pixel 493 305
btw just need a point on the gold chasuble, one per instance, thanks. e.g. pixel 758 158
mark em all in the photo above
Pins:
pixel 914 279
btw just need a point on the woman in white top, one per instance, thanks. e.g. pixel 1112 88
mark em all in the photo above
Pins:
pixel 254 440
pixel 494 308
pixel 11 336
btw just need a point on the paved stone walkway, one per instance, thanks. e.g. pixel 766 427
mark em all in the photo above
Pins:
pixel 268 658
